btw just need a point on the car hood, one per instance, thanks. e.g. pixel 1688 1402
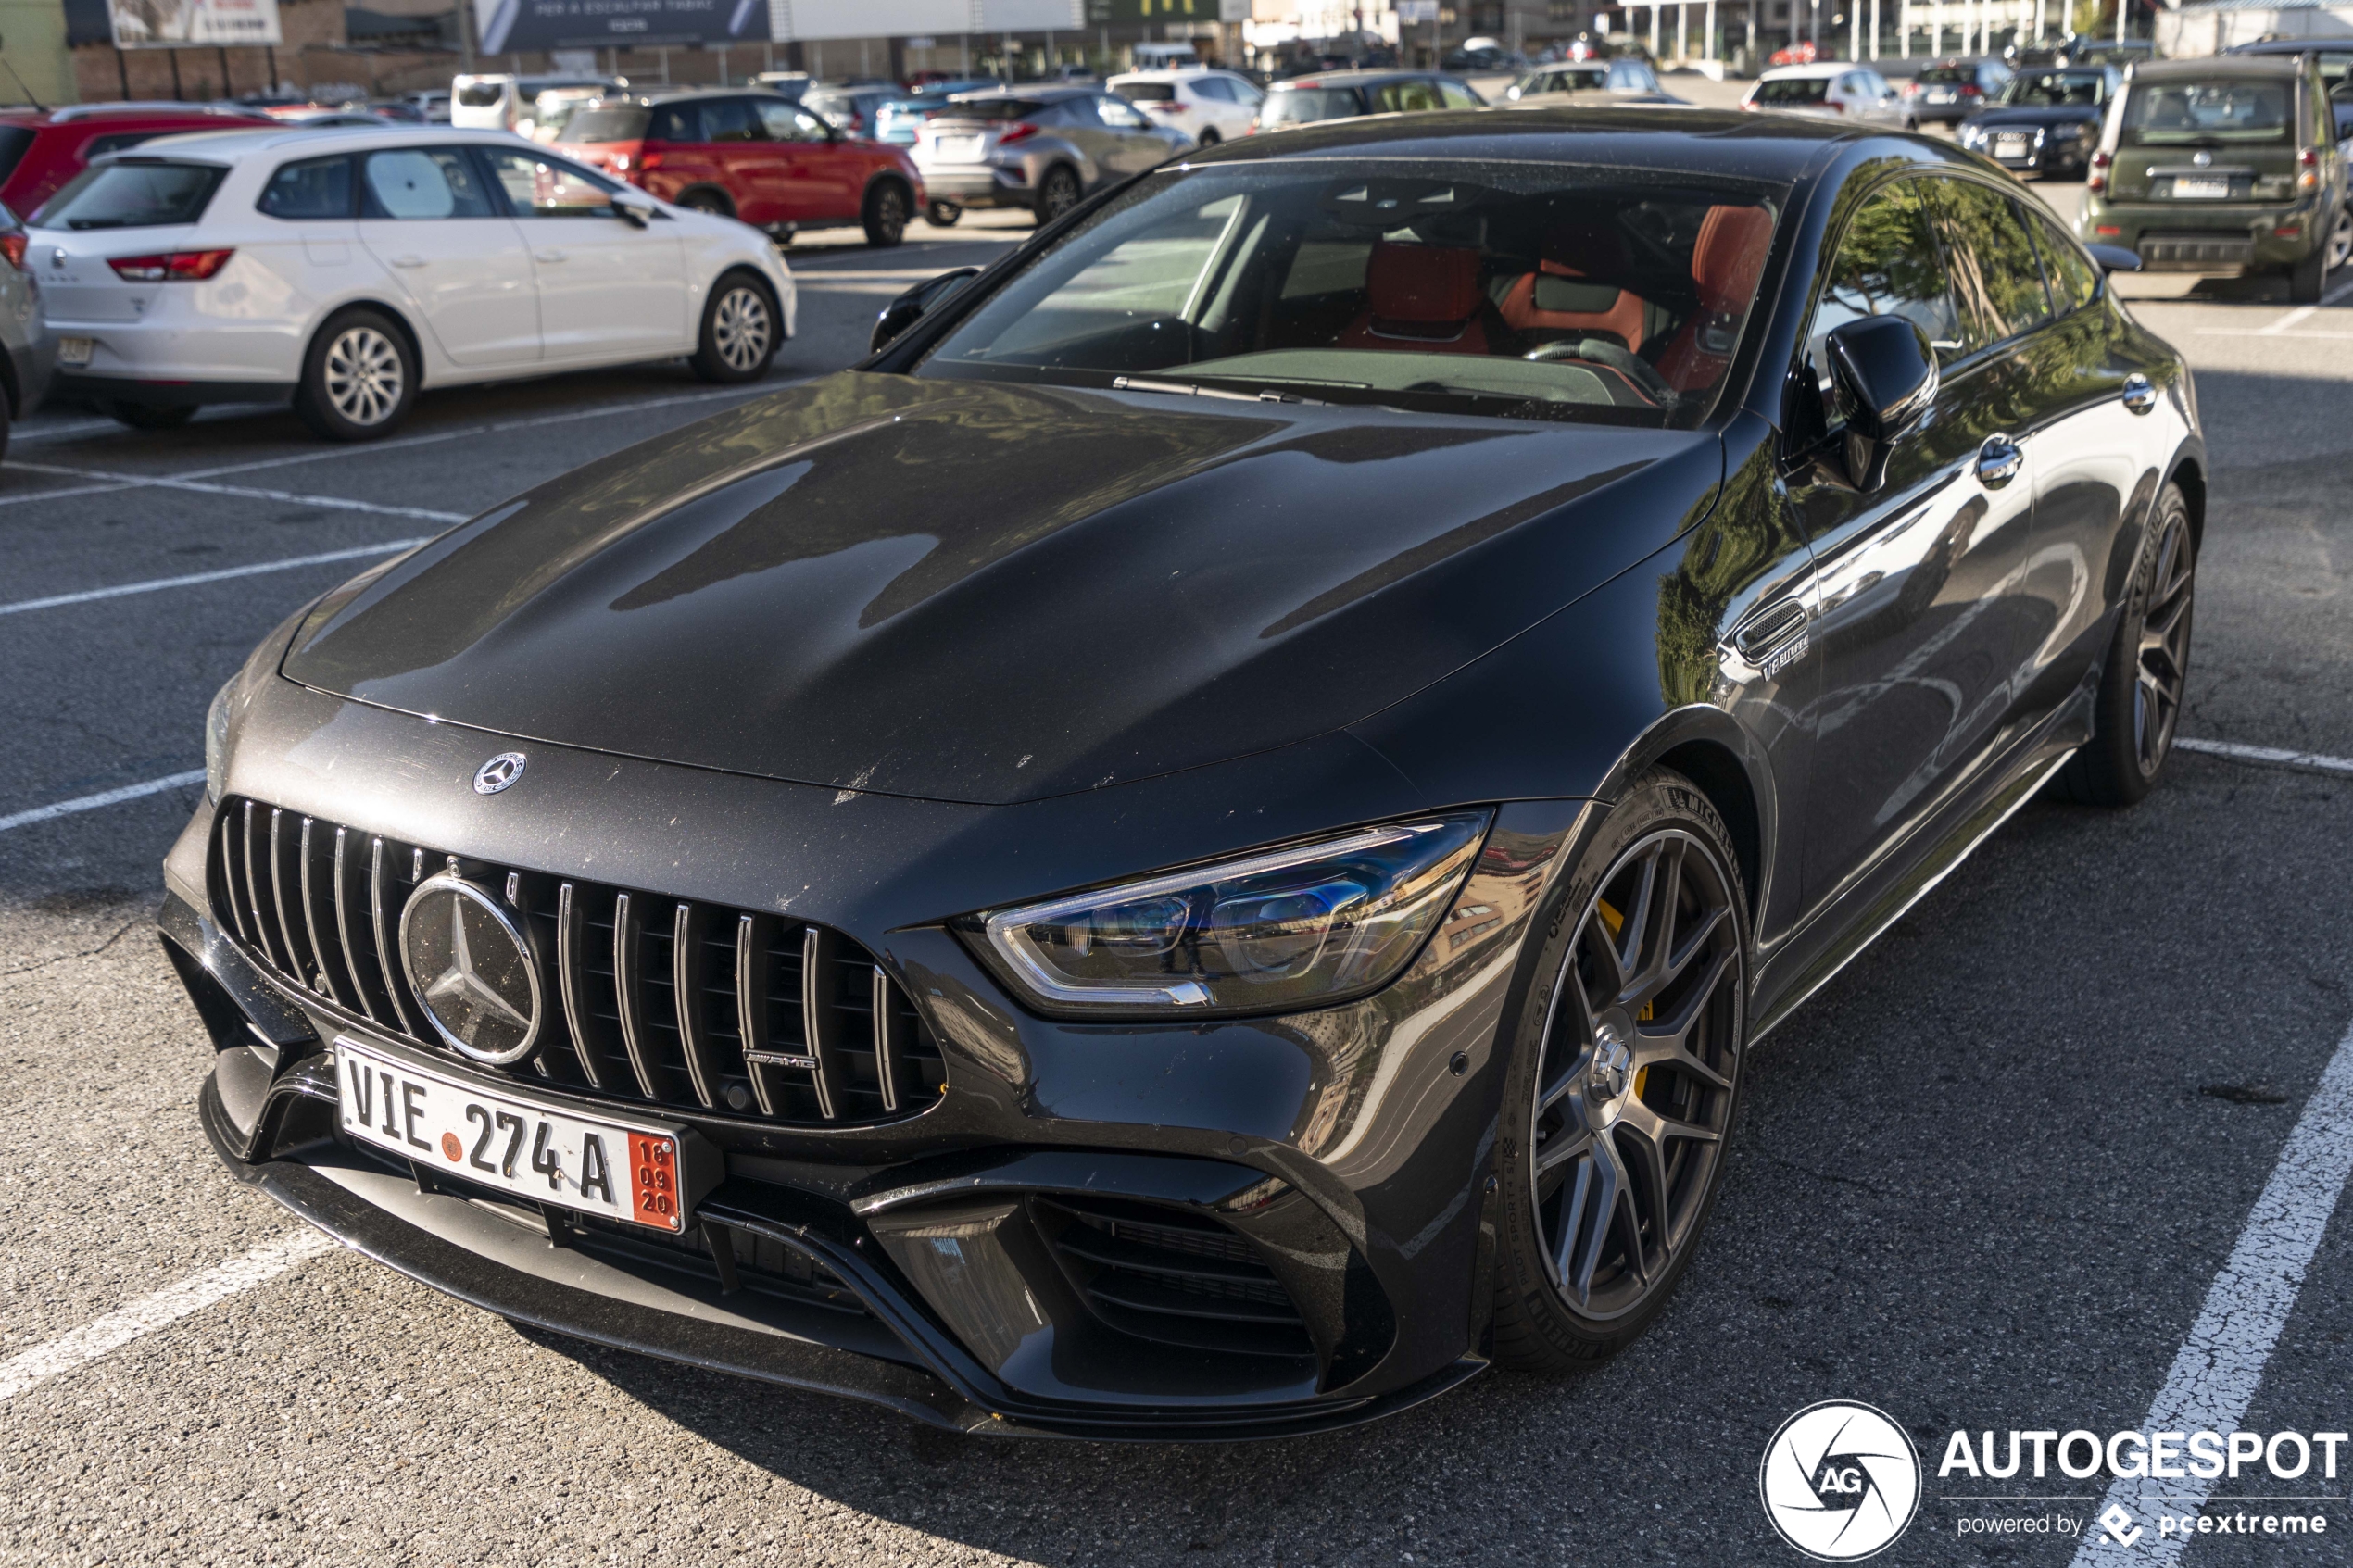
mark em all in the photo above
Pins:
pixel 991 593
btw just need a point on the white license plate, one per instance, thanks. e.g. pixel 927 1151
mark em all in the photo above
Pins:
pixel 621 1171
pixel 2202 190
pixel 967 149
pixel 2009 147
pixel 73 351
pixel 1940 94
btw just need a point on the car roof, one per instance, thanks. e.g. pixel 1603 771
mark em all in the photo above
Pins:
pixel 688 94
pixel 80 114
pixel 1175 73
pixel 1362 78
pixel 2255 67
pixel 1826 68
pixel 236 147
pixel 2294 46
pixel 1025 95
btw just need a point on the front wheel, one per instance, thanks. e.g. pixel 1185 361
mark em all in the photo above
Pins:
pixel 2338 248
pixel 943 215
pixel 886 216
pixel 1057 193
pixel 358 378
pixel 1625 1076
pixel 2147 671
pixel 739 331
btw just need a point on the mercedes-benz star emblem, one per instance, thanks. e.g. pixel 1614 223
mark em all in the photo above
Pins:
pixel 498 773
pixel 472 969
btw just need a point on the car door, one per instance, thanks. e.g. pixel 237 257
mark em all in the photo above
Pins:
pixel 816 177
pixel 1915 623
pixel 427 214
pixel 1134 143
pixel 610 289
pixel 738 150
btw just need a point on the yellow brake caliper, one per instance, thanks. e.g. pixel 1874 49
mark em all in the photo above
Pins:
pixel 1617 922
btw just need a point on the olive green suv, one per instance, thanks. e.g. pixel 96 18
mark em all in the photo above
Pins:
pixel 2224 166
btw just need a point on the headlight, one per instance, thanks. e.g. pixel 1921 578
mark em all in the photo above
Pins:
pixel 215 742
pixel 1304 926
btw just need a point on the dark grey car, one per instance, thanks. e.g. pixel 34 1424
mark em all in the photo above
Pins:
pixel 1040 149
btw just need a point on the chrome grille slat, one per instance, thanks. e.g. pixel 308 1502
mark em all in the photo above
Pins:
pixel 699 997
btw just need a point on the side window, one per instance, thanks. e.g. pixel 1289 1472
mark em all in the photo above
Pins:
pixel 317 187
pixel 1887 264
pixel 539 187
pixel 418 183
pixel 1996 280
pixel 1120 115
pixel 1404 98
pixel 675 122
pixel 789 122
pixel 729 119
pixel 2075 283
pixel 1457 97
pixel 1212 88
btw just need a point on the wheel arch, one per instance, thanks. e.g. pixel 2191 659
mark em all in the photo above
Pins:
pixel 2189 473
pixel 400 319
pixel 881 177
pixel 1726 764
pixel 702 188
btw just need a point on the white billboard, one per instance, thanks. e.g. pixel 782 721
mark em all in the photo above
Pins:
pixel 820 20
pixel 181 24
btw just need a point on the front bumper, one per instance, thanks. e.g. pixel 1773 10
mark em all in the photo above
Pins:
pixel 924 1264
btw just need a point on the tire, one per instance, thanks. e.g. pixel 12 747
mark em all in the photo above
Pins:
pixel 2143 680
pixel 2305 278
pixel 943 215
pixel 1595 1074
pixel 740 331
pixel 2337 250
pixel 147 416
pixel 1209 137
pixel 1057 193
pixel 358 378
pixel 711 202
pixel 886 216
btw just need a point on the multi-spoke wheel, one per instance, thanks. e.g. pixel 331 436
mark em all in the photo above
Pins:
pixel 358 378
pixel 739 331
pixel 2142 688
pixel 1627 1081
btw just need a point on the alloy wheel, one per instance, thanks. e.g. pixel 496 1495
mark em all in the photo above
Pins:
pixel 1058 195
pixel 890 215
pixel 740 328
pixel 2165 644
pixel 1635 1087
pixel 2340 242
pixel 364 375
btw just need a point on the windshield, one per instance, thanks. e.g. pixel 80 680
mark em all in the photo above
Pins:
pixel 990 109
pixel 1789 90
pixel 1145 92
pixel 481 94
pixel 589 127
pixel 1564 80
pixel 1555 292
pixel 2056 88
pixel 1946 76
pixel 144 195
pixel 1287 105
pixel 2215 114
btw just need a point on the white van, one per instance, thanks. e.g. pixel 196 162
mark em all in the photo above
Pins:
pixel 499 102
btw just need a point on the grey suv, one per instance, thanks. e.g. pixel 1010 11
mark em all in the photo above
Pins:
pixel 1041 148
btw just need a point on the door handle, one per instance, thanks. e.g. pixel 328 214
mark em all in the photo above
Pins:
pixel 547 256
pixel 1998 461
pixel 408 261
pixel 2139 394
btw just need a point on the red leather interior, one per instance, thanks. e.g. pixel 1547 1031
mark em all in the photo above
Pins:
pixel 1726 259
pixel 1578 250
pixel 1423 297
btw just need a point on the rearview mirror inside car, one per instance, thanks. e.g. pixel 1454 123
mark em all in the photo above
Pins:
pixel 2115 259
pixel 1885 373
pixel 909 308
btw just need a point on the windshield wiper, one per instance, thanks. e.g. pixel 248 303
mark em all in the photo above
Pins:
pixel 1194 389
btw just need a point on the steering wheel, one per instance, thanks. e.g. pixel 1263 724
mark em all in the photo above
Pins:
pixel 1601 351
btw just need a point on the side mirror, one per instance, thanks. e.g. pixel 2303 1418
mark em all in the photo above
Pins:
pixel 2115 259
pixel 633 207
pixel 909 308
pixel 1886 374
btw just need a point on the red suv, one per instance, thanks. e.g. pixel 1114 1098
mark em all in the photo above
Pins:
pixel 756 157
pixel 40 151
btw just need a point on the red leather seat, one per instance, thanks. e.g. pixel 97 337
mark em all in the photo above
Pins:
pixel 1726 259
pixel 1424 298
pixel 1574 251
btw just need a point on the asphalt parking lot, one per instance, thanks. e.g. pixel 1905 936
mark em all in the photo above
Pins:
pixel 1986 1180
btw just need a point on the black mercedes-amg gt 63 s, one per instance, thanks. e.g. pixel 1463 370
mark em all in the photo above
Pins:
pixel 1197 848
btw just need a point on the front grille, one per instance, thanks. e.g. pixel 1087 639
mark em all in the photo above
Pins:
pixel 2216 250
pixel 1175 1278
pixel 648 998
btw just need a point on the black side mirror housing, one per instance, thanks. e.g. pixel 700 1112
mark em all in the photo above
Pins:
pixel 1886 374
pixel 2115 259
pixel 909 308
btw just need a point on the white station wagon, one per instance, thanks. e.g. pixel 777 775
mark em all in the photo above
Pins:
pixel 347 269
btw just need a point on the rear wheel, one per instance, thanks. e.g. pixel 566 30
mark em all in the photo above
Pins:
pixel 943 215
pixel 1625 1076
pixel 1209 137
pixel 2147 668
pixel 707 201
pixel 147 416
pixel 2338 248
pixel 358 378
pixel 739 331
pixel 2307 277
pixel 1057 193
pixel 886 215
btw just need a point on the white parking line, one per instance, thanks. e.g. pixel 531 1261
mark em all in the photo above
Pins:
pixel 137 481
pixel 154 584
pixel 103 797
pixel 168 1306
pixel 64 433
pixel 2270 756
pixel 2302 314
pixel 2217 1371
